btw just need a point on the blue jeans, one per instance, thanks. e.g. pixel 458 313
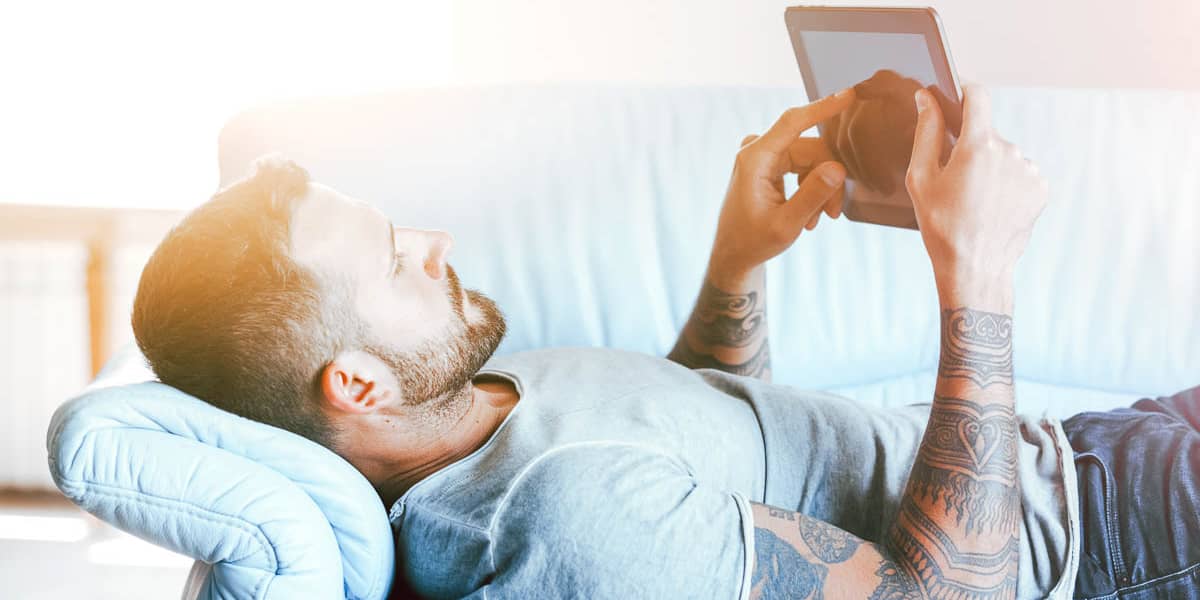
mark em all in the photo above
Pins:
pixel 1139 496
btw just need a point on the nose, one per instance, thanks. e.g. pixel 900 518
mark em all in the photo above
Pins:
pixel 439 245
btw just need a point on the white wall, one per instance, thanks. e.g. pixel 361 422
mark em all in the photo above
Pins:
pixel 1070 43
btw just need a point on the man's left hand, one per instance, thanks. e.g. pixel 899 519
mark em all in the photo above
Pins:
pixel 757 221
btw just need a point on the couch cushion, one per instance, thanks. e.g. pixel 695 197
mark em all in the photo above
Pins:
pixel 587 212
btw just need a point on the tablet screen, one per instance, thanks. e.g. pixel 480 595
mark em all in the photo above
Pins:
pixel 886 55
pixel 841 59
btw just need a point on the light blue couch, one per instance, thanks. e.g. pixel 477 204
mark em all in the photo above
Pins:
pixel 587 212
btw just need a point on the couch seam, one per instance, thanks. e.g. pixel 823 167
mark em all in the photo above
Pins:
pixel 201 513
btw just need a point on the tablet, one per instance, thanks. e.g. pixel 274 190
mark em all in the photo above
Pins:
pixel 877 49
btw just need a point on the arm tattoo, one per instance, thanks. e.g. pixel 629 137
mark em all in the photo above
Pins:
pixel 781 572
pixel 755 366
pixel 957 532
pixel 968 463
pixel 894 584
pixel 728 319
pixel 938 569
pixel 734 322
pixel 976 345
pixel 827 542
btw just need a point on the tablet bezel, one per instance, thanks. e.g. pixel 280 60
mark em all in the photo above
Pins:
pixel 861 204
pixel 923 21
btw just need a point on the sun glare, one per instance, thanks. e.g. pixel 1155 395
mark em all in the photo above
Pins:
pixel 120 103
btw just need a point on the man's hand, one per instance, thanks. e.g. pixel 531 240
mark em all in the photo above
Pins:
pixel 728 327
pixel 977 211
pixel 757 221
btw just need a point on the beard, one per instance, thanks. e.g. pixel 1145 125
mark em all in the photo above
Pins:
pixel 437 373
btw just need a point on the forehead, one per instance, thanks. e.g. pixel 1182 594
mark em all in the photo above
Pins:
pixel 332 230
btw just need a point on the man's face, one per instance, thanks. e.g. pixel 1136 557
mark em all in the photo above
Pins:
pixel 430 332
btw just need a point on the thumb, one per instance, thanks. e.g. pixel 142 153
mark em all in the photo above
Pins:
pixel 928 137
pixel 818 187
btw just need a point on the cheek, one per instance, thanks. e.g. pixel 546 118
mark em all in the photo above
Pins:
pixel 414 310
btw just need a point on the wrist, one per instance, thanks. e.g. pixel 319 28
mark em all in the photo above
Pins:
pixel 733 279
pixel 988 290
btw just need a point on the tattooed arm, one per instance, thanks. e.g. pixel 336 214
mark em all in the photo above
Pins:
pixel 728 328
pixel 956 534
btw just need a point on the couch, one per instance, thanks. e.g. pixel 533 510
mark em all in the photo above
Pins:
pixel 586 212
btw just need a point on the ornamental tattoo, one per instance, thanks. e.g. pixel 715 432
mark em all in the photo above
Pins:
pixel 894 584
pixel 957 532
pixel 976 345
pixel 755 366
pixel 735 322
pixel 938 569
pixel 829 543
pixel 967 470
pixel 728 319
pixel 968 463
pixel 781 572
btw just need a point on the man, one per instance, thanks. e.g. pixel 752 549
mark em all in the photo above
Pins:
pixel 596 473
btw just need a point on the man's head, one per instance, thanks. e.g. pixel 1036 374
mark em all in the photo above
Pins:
pixel 286 302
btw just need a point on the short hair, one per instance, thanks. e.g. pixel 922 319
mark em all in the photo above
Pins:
pixel 223 312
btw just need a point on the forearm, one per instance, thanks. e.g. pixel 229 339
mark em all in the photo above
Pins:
pixel 956 533
pixel 727 329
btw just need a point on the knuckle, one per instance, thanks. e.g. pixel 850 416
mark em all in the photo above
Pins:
pixel 915 178
pixel 777 232
pixel 744 156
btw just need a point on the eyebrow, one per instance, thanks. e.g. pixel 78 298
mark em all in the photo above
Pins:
pixel 391 236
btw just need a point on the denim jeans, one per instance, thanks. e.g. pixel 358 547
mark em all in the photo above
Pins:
pixel 1139 495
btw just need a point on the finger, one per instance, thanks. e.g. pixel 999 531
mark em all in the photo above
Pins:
pixel 829 135
pixel 845 144
pixel 928 137
pixel 977 111
pixel 812 223
pixel 746 141
pixel 797 120
pixel 806 153
pixel 815 190
pixel 833 206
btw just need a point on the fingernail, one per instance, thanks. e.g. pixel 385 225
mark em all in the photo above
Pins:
pixel 922 103
pixel 832 176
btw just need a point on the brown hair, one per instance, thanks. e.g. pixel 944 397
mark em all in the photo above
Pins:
pixel 223 313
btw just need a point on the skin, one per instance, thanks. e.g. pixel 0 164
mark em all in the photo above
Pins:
pixel 383 437
pixel 956 534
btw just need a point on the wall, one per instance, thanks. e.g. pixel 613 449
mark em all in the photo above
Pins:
pixel 1070 43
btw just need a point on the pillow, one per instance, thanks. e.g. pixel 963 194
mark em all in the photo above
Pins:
pixel 276 515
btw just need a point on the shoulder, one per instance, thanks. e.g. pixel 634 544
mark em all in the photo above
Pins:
pixel 618 369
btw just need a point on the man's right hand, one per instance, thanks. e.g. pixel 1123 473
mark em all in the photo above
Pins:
pixel 977 211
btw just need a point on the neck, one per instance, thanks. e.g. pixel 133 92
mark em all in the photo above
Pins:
pixel 490 402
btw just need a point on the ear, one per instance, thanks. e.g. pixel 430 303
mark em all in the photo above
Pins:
pixel 357 382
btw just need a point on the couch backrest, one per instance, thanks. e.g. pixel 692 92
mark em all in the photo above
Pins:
pixel 587 212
